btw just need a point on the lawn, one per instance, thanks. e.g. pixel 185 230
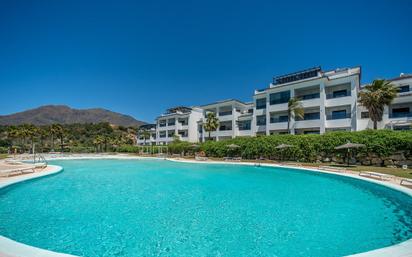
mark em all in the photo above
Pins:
pixel 3 155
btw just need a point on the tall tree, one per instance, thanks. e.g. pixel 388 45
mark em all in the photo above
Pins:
pixel 375 97
pixel 294 110
pixel 54 130
pixel 212 123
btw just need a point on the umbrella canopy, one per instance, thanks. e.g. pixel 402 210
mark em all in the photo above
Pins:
pixel 349 145
pixel 283 146
pixel 233 146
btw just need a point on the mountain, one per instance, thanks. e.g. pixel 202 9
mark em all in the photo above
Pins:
pixel 49 114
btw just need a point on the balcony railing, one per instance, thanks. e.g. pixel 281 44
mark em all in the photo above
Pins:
pixel 333 95
pixel 309 116
pixel 338 116
pixel 162 124
pixel 279 119
pixel 309 96
pixel 400 115
pixel 225 113
pixel 225 129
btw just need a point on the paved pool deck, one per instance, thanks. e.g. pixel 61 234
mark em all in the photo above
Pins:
pixel 11 248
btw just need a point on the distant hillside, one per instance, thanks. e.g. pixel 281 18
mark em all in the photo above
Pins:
pixel 49 114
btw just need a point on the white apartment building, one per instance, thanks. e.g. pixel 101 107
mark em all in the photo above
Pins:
pixel 396 116
pixel 329 100
pixel 151 139
pixel 178 121
pixel 235 119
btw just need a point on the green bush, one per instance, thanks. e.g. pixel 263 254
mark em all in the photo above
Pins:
pixel 310 147
pixel 4 149
pixel 128 149
pixel 82 149
pixel 178 147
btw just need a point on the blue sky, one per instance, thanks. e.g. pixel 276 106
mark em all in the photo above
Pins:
pixel 140 57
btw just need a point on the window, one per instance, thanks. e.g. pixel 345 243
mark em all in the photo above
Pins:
pixel 400 112
pixel 261 103
pixel 224 113
pixel 227 125
pixel 171 122
pixel 310 116
pixel 279 98
pixel 340 93
pixel 261 120
pixel 162 123
pixel 403 89
pixel 183 133
pixel 184 122
pixel 311 132
pixel 364 115
pixel 310 96
pixel 244 125
pixel 339 115
pixel 162 134
pixel 278 119
pixel 170 133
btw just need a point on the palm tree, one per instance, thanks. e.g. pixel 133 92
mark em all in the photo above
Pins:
pixel 54 130
pixel 375 97
pixel 23 134
pixel 97 142
pixel 294 110
pixel 212 123
pixel 59 131
pixel 31 131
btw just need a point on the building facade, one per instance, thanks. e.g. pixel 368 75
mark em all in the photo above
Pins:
pixel 329 100
pixel 398 115
pixel 235 118
pixel 178 122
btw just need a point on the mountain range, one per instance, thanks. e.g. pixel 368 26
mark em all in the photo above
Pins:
pixel 49 114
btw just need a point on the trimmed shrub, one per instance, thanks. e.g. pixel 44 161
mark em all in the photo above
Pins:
pixel 310 148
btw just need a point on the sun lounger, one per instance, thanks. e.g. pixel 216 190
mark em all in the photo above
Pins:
pixel 333 169
pixel 13 162
pixel 201 158
pixel 227 158
pixel 376 175
pixel 406 182
pixel 10 172
pixel 237 159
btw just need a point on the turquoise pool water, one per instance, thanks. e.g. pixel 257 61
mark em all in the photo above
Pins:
pixel 162 208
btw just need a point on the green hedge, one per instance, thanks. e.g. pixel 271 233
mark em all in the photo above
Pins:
pixel 309 147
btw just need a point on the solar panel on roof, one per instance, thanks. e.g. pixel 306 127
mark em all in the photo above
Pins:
pixel 305 74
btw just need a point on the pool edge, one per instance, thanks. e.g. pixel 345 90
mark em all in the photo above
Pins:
pixel 11 248
pixel 403 249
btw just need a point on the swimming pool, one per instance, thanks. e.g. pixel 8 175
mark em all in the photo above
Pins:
pixel 163 208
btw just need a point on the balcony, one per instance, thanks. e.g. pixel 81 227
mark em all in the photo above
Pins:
pixel 338 94
pixel 310 116
pixel 396 115
pixel 308 96
pixel 338 116
pixel 225 113
pixel 279 119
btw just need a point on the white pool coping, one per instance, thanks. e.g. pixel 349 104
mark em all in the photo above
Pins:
pixel 10 248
